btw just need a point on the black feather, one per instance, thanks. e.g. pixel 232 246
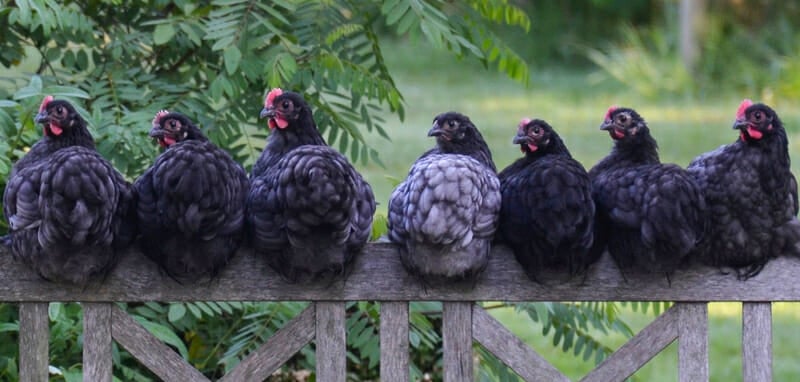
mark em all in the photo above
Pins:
pixel 68 209
pixel 309 212
pixel 651 215
pixel 191 203
pixel 751 194
pixel 547 214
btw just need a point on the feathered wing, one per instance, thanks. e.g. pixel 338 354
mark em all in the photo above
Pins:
pixel 547 214
pixel 750 223
pixel 444 216
pixel 192 203
pixel 674 216
pixel 66 233
pixel 310 213
pixel 656 215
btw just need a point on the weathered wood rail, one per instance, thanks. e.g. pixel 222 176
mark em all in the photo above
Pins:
pixel 378 275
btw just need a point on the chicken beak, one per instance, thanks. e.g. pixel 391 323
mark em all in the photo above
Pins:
pixel 521 140
pixel 435 131
pixel 607 125
pixel 740 124
pixel 42 117
pixel 267 112
pixel 156 132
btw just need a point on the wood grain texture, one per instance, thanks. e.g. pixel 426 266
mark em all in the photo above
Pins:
pixel 511 350
pixel 457 341
pixel 277 350
pixel 757 341
pixel 331 342
pixel 152 353
pixel 378 275
pixel 34 334
pixel 97 361
pixel 638 350
pixel 693 342
pixel 394 341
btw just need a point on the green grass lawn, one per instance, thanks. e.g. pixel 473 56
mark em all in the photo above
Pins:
pixel 725 349
pixel 433 82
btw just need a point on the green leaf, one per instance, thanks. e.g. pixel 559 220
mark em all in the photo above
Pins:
pixel 65 91
pixel 164 334
pixel 176 312
pixel 232 56
pixel 163 33
pixel 54 310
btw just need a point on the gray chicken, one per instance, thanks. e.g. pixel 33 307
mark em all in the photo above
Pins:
pixel 309 212
pixel 751 194
pixel 68 209
pixel 444 215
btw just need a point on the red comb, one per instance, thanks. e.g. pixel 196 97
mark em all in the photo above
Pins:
pixel 524 122
pixel 158 116
pixel 610 110
pixel 45 101
pixel 271 96
pixel 742 107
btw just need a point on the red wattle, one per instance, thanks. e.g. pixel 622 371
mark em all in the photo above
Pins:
pixel 55 129
pixel 753 133
pixel 282 123
pixel 532 147
pixel 271 123
pixel 616 134
pixel 169 141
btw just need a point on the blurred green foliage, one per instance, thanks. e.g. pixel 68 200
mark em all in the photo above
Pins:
pixel 213 60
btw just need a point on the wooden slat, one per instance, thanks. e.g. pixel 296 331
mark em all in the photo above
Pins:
pixel 757 341
pixel 97 361
pixel 277 350
pixel 394 341
pixel 378 275
pixel 152 353
pixel 511 350
pixel 638 350
pixel 457 341
pixel 331 342
pixel 34 334
pixel 693 342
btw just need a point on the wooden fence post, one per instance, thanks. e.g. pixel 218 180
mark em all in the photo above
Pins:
pixel 331 342
pixel 34 336
pixel 394 341
pixel 457 338
pixel 97 343
pixel 757 341
pixel 693 342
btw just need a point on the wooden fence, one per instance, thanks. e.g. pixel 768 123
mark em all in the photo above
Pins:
pixel 378 275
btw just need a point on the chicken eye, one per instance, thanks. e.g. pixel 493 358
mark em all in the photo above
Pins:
pixel 60 110
pixel 623 118
pixel 172 123
pixel 757 115
pixel 452 123
pixel 537 129
pixel 286 104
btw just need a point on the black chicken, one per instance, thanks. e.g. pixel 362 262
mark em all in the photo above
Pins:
pixel 191 202
pixel 68 209
pixel 444 215
pixel 547 214
pixel 308 211
pixel 751 194
pixel 652 214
